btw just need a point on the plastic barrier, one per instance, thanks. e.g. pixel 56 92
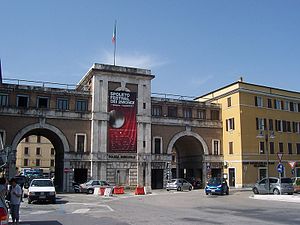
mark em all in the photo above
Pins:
pixel 101 191
pixel 139 191
pixel 96 191
pixel 108 192
pixel 118 190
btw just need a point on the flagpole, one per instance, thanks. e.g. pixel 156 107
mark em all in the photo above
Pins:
pixel 115 41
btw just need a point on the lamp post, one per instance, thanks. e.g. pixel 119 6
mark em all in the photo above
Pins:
pixel 265 134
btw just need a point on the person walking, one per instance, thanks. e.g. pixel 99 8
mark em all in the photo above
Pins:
pixel 3 192
pixel 15 200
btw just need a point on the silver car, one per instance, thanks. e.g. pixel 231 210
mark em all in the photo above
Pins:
pixel 179 185
pixel 276 187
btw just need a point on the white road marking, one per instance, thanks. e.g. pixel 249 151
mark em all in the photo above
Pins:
pixel 80 211
pixel 40 212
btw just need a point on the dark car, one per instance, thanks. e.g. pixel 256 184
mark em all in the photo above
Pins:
pixel 217 186
pixel 195 182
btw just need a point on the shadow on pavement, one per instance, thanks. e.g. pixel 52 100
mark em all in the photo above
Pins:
pixel 41 223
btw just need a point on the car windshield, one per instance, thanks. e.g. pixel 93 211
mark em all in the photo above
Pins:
pixel 42 183
pixel 89 182
pixel 286 180
pixel 215 181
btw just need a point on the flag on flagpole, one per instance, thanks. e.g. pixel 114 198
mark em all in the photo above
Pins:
pixel 0 73
pixel 114 37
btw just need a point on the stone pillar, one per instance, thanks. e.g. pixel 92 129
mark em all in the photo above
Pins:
pixel 204 174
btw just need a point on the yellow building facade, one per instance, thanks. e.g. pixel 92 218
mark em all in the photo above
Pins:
pixel 258 123
pixel 36 152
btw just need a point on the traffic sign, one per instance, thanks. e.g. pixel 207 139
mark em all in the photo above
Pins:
pixel 280 168
pixel 279 155
pixel 292 164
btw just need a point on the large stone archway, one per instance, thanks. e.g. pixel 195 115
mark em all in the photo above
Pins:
pixel 189 149
pixel 61 146
pixel 187 133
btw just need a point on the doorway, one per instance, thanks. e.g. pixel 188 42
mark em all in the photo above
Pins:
pixel 157 177
pixel 231 177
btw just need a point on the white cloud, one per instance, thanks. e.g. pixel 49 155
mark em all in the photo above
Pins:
pixel 201 81
pixel 133 60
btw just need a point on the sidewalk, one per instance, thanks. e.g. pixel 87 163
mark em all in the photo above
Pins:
pixel 282 198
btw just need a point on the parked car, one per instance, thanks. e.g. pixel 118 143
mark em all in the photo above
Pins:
pixel 41 190
pixel 89 186
pixel 4 216
pixel 217 185
pixel 196 183
pixel 179 185
pixel 296 184
pixel 286 186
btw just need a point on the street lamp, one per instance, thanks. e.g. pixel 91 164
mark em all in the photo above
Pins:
pixel 266 135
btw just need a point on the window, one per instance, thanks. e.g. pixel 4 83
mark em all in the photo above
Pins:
pixel 52 151
pixel 3 100
pixel 43 102
pixel 229 102
pixel 81 105
pixel 62 104
pixel 271 126
pixel 80 144
pixel 157 145
pixel 262 147
pixel 258 101
pixel 201 114
pixel 38 162
pixel 3 137
pixel 283 125
pixel 286 105
pixel 38 151
pixel 277 104
pixel 25 162
pixel 269 103
pixel 38 139
pixel 230 124
pixel 187 112
pixel 280 147
pixel 26 151
pixel 156 110
pixel 296 127
pixel 52 162
pixel 278 125
pixel 298 148
pixel 288 126
pixel 172 111
pixel 292 109
pixel 22 101
pixel 214 114
pixel 272 150
pixel 262 174
pixel 230 147
pixel 27 139
pixel 296 109
pixel 144 105
pixel 290 148
pixel 216 147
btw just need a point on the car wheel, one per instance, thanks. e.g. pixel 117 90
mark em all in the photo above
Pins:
pixel 291 193
pixel 54 201
pixel 276 191
pixel 206 193
pixel 168 189
pixel 255 191
pixel 179 189
pixel 190 188
pixel 90 191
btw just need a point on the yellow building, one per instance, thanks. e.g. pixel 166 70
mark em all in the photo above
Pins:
pixel 36 152
pixel 258 123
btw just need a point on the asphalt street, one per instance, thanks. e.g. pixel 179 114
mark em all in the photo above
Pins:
pixel 162 207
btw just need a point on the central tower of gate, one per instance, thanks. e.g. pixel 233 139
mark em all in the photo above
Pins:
pixel 120 124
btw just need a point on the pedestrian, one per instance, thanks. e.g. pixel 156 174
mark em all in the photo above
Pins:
pixel 3 192
pixel 15 200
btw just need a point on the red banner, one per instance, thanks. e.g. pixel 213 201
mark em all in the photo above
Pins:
pixel 122 131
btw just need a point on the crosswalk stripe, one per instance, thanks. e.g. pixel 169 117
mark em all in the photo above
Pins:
pixel 81 211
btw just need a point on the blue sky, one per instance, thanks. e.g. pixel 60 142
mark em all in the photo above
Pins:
pixel 192 47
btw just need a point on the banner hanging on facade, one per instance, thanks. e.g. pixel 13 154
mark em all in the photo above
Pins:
pixel 122 130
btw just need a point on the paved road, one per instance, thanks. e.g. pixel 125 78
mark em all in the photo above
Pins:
pixel 166 208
